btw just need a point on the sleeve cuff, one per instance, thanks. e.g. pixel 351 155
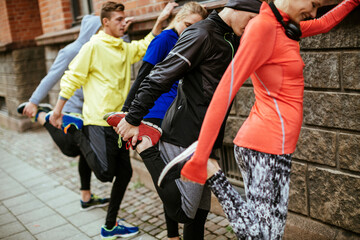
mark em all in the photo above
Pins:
pixel 63 98
pixel 132 121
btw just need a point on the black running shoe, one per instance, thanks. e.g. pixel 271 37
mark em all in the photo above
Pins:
pixel 94 202
pixel 42 107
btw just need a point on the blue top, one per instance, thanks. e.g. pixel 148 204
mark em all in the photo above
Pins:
pixel 158 49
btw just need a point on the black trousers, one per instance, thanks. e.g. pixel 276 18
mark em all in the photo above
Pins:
pixel 171 197
pixel 69 147
pixel 102 145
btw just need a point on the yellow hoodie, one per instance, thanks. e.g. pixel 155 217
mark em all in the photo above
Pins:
pixel 102 68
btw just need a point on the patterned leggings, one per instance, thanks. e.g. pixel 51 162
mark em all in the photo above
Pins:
pixel 266 179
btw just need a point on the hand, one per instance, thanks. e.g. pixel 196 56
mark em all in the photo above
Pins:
pixel 30 109
pixel 56 119
pixel 128 22
pixel 166 12
pixel 127 131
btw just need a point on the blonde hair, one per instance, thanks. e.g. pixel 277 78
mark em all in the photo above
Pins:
pixel 188 9
pixel 282 4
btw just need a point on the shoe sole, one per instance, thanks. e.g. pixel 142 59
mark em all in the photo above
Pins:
pixel 21 107
pixel 114 118
pixel 122 236
pixel 94 206
pixel 181 157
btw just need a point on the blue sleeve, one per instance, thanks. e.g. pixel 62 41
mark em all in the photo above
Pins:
pixel 158 49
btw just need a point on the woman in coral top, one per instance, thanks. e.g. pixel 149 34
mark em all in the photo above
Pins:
pixel 266 140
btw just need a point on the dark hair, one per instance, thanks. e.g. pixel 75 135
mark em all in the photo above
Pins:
pixel 109 7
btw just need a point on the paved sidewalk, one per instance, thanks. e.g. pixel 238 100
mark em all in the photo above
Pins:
pixel 39 196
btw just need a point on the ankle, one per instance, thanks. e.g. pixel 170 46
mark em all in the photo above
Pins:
pixel 145 144
pixel 85 195
pixel 41 118
pixel 212 167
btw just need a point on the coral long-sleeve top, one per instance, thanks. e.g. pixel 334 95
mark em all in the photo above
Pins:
pixel 274 63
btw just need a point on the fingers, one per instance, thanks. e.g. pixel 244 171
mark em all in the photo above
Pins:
pixel 134 139
pixel 172 5
pixel 30 110
pixel 129 20
pixel 169 7
pixel 165 13
pixel 55 120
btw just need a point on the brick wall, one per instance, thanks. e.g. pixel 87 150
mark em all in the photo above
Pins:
pixel 134 7
pixel 55 15
pixel 21 22
pixel 325 181
pixel 144 11
pixel 5 36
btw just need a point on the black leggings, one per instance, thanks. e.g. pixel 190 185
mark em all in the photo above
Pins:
pixel 172 226
pixel 118 161
pixel 69 147
pixel 171 197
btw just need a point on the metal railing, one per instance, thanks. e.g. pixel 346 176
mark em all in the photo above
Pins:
pixel 229 165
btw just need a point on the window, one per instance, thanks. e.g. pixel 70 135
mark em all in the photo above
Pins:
pixel 3 107
pixel 81 8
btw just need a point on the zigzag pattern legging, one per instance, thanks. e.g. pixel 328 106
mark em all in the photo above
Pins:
pixel 266 179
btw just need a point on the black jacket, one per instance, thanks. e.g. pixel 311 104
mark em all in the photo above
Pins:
pixel 199 59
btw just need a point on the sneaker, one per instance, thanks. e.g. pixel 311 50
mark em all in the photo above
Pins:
pixel 118 231
pixel 70 121
pixel 145 128
pixel 121 222
pixel 173 169
pixel 21 107
pixel 42 107
pixel 94 202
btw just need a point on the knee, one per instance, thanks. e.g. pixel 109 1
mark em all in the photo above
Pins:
pixel 70 152
pixel 126 175
pixel 150 153
pixel 178 215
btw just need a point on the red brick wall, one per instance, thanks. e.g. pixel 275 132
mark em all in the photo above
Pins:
pixel 55 15
pixel 21 22
pixel 5 36
pixel 135 7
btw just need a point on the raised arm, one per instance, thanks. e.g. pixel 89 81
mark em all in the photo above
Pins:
pixel 52 77
pixel 138 48
pixel 165 14
pixel 329 20
pixel 255 48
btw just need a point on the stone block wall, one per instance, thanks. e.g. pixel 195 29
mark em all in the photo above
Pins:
pixel 325 180
pixel 20 73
